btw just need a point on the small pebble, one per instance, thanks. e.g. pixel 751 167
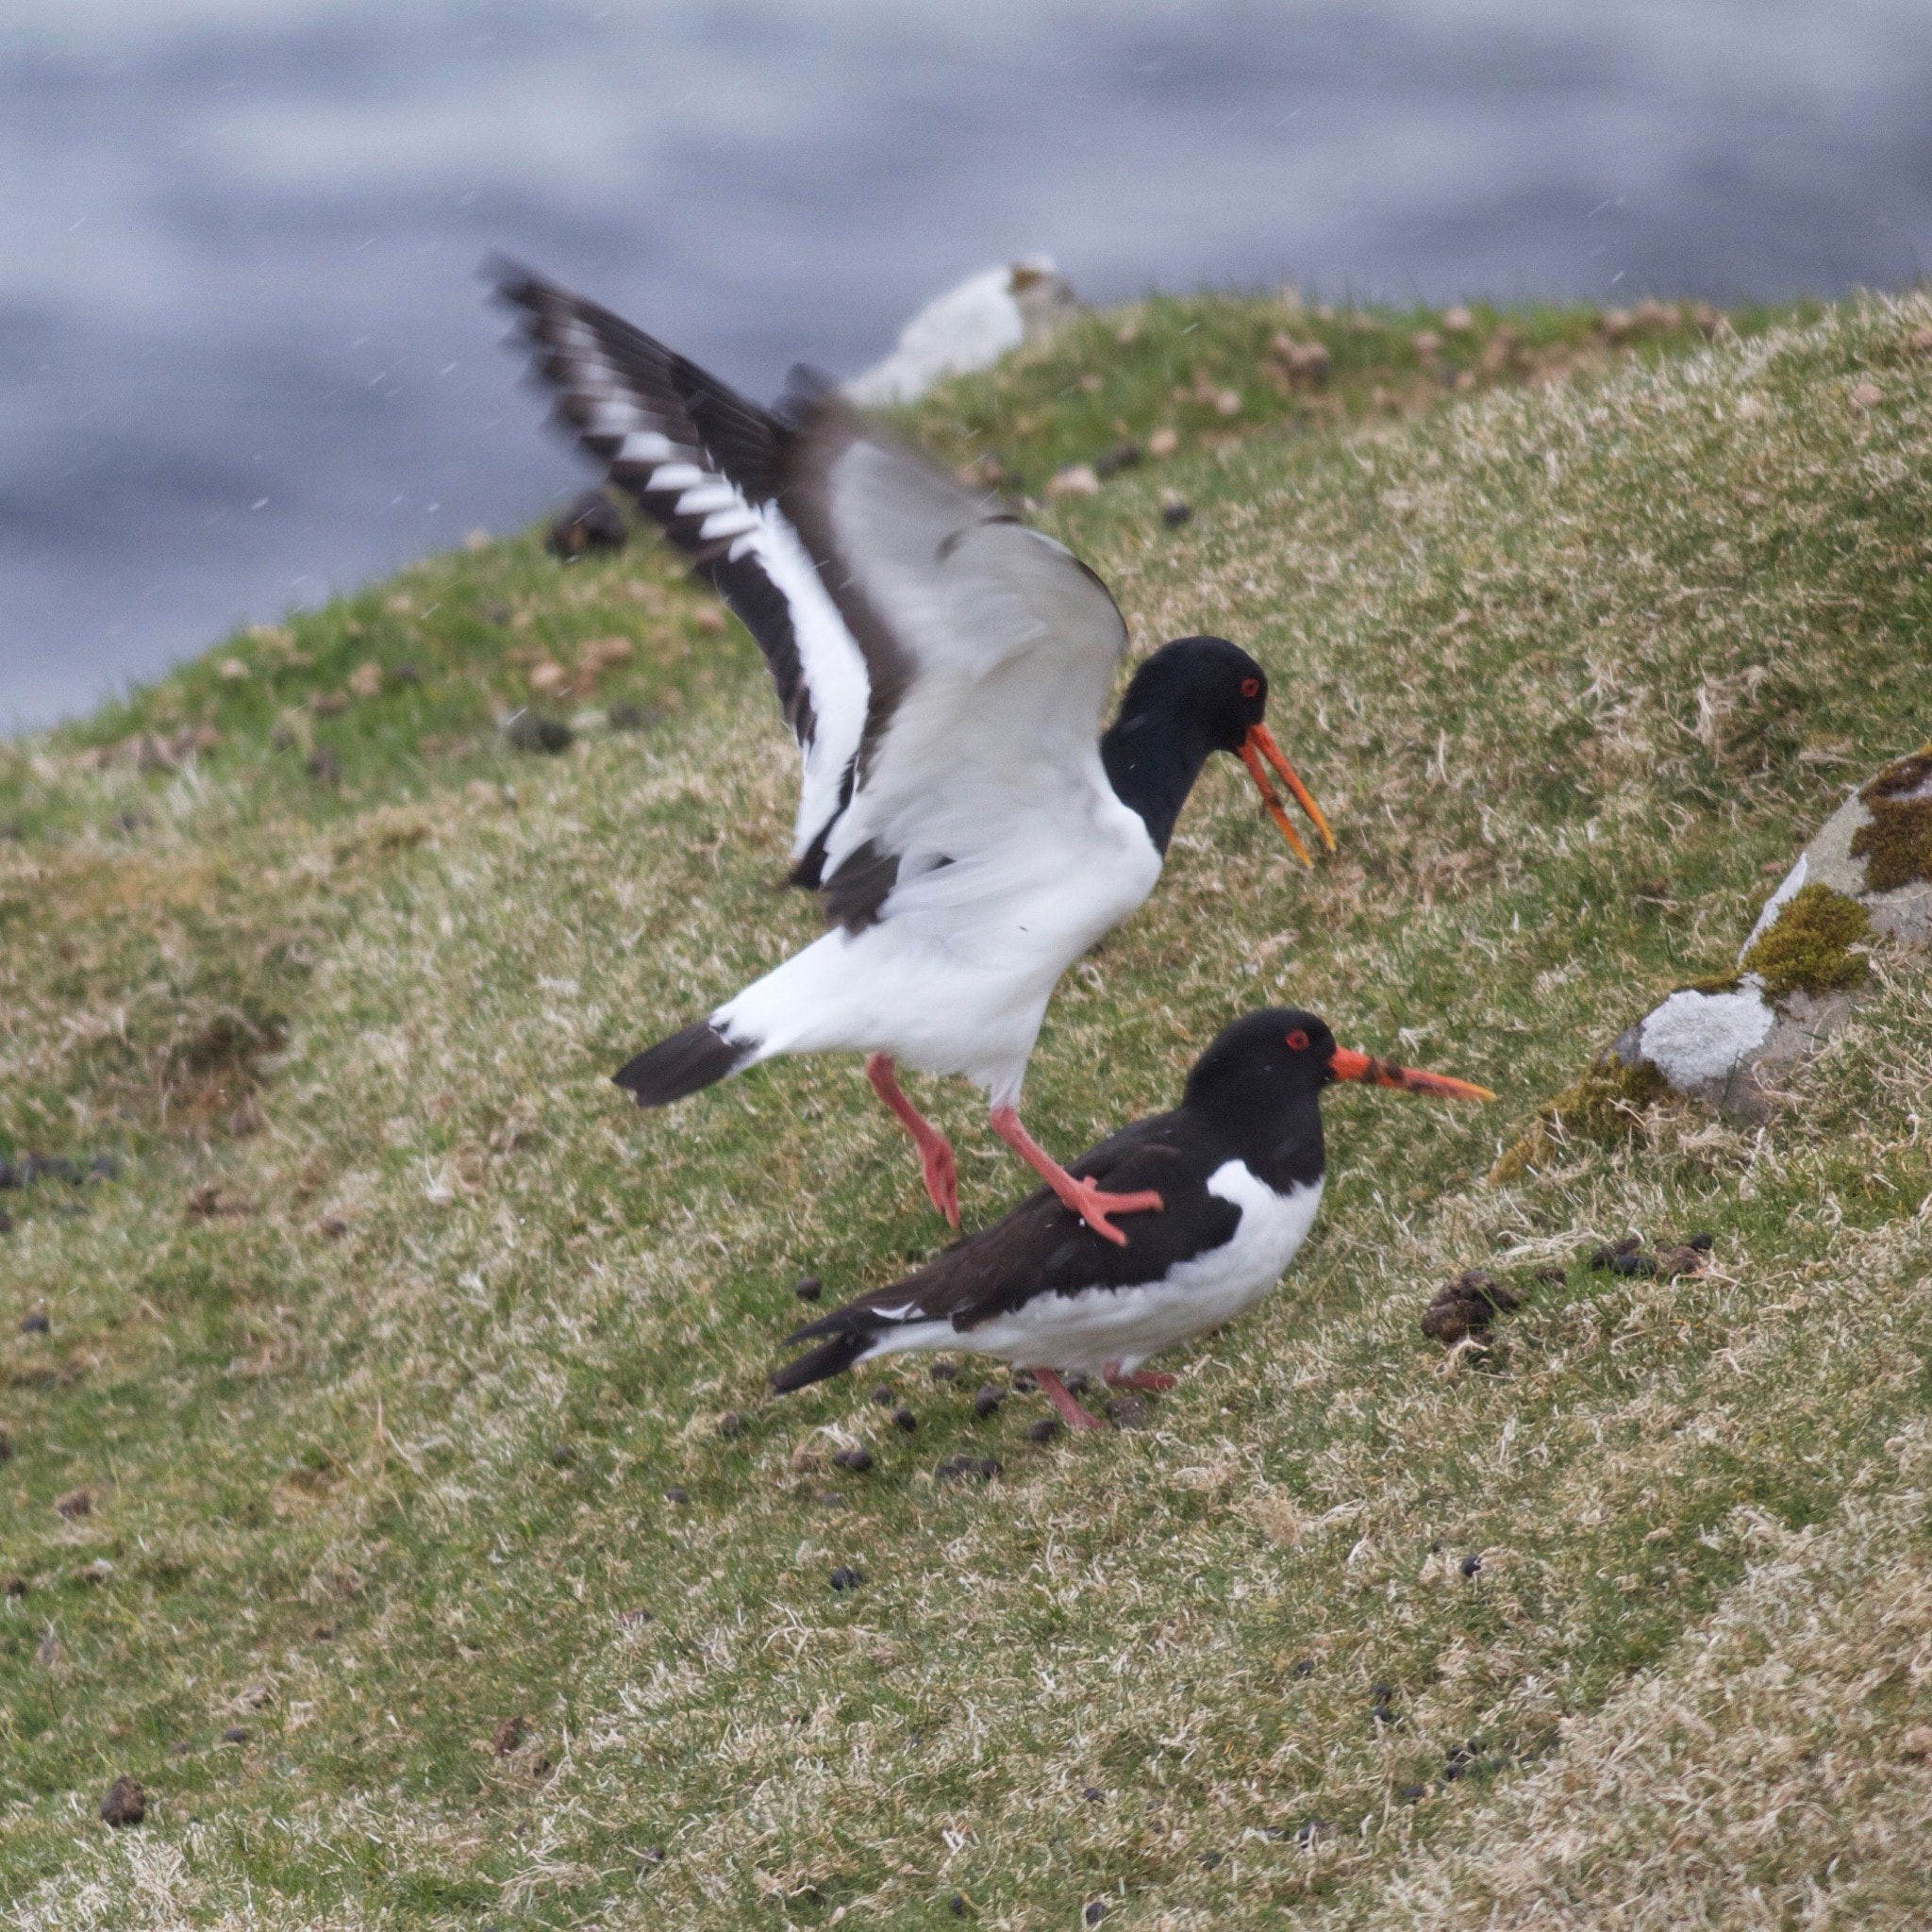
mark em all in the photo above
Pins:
pixel 1175 513
pixel 1092 1796
pixel 1129 1412
pixel 1411 1794
pixel 1470 1564
pixel 885 1395
pixel 235 1734
pixel 810 1287
pixel 943 1372
pixel 1305 1667
pixel 125 1803
pixel 35 1323
pixel 1044 1430
pixel 844 1577
pixel 1705 1242
pixel 1096 1911
pixel 988 1399
pixel 1210 1859
pixel 904 1419
pixel 857 1459
pixel 678 1495
pixel 563 1455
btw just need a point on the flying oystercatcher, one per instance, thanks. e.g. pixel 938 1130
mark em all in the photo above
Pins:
pixel 1240 1164
pixel 943 668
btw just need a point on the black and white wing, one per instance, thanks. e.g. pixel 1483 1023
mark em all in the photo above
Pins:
pixel 943 665
pixel 706 466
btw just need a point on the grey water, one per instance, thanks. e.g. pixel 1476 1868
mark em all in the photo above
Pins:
pixel 244 361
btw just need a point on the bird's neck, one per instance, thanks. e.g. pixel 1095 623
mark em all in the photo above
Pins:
pixel 1151 758
pixel 1279 1144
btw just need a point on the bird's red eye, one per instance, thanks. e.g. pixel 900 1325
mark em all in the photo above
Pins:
pixel 1298 1039
pixel 1251 687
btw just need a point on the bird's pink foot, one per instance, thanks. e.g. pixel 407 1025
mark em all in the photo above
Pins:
pixel 1061 1398
pixel 1092 1204
pixel 1158 1380
pixel 934 1150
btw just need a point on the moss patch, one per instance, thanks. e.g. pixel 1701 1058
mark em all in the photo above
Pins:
pixel 1603 1104
pixel 1807 947
pixel 1897 845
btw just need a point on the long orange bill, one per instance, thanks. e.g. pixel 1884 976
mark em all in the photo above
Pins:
pixel 1259 744
pixel 1345 1065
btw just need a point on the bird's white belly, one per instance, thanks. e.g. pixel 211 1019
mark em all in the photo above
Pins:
pixel 955 977
pixel 1084 1332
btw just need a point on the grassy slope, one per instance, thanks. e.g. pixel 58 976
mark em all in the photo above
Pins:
pixel 1568 670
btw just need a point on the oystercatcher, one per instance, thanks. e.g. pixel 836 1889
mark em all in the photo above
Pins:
pixel 1238 1163
pixel 943 668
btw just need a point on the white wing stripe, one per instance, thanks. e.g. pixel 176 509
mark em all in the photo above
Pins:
pixel 710 495
pixel 646 446
pixel 676 476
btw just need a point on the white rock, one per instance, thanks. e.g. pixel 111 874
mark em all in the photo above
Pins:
pixel 1696 1040
pixel 970 327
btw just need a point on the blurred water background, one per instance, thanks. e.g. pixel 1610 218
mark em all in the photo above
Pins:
pixel 244 360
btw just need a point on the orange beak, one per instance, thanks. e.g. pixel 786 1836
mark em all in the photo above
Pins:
pixel 1345 1065
pixel 1259 744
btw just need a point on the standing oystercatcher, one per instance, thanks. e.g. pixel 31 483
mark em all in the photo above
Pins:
pixel 943 668
pixel 1240 1164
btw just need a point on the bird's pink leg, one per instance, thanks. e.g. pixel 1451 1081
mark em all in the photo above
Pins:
pixel 1156 1379
pixel 935 1151
pixel 1090 1203
pixel 1061 1398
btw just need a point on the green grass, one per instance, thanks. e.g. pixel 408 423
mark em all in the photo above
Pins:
pixel 1572 656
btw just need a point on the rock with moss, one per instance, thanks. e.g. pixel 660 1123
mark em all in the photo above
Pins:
pixel 1726 1039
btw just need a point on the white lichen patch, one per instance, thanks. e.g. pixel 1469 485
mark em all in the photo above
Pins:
pixel 1698 1039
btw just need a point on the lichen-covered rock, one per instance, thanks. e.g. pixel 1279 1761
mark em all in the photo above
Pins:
pixel 1866 874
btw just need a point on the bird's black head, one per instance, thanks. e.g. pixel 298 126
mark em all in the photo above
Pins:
pixel 1262 1060
pixel 1195 696
pixel 1257 1072
pixel 1206 686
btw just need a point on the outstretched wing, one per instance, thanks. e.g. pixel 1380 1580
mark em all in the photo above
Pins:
pixel 942 665
pixel 706 466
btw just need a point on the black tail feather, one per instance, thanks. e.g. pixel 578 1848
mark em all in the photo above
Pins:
pixel 688 1061
pixel 831 1358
